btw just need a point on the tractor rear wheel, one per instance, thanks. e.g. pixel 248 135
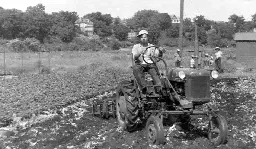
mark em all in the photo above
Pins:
pixel 218 129
pixel 127 108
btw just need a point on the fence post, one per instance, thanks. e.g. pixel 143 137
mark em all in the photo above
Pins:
pixel 4 64
pixel 49 59
pixel 22 66
pixel 39 63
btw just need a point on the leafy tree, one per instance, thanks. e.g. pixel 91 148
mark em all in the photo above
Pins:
pixel 102 29
pixel 188 28
pixel 254 18
pixel 151 20
pixel 213 38
pixel 202 37
pixel 142 18
pixel 37 23
pixel 11 23
pixel 64 25
pixel 117 21
pixel 173 32
pixel 130 22
pixel 248 26
pixel 163 20
pixel 202 22
pixel 187 25
pixel 237 21
pixel 121 31
pixel 154 34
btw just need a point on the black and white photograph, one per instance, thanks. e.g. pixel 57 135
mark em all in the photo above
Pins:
pixel 133 74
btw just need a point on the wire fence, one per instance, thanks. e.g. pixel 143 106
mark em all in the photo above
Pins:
pixel 16 63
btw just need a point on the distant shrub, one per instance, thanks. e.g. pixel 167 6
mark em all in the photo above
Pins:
pixel 16 45
pixel 95 45
pixel 73 46
pixel 171 42
pixel 125 44
pixel 115 45
pixel 78 44
pixel 3 41
pixel 248 69
pixel 45 70
pixel 29 44
pixel 32 44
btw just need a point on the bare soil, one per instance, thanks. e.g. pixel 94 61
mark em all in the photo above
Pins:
pixel 75 127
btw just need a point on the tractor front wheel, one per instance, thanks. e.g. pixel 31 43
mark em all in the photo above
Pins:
pixel 155 130
pixel 218 129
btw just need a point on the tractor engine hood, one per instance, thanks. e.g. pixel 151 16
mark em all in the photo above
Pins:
pixel 183 73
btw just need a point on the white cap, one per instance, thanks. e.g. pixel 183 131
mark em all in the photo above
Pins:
pixel 217 48
pixel 178 49
pixel 142 32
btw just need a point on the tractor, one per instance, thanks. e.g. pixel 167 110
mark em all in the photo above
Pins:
pixel 183 91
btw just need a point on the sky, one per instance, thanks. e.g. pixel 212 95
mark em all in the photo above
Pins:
pixel 217 10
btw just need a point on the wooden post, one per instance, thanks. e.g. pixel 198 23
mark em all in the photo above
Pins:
pixel 4 63
pixel 21 48
pixel 181 27
pixel 49 59
pixel 39 63
pixel 196 47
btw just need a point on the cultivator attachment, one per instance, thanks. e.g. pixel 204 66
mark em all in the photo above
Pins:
pixel 104 108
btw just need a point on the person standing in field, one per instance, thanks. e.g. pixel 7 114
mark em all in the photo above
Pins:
pixel 177 58
pixel 218 56
pixel 206 60
pixel 192 62
pixel 146 64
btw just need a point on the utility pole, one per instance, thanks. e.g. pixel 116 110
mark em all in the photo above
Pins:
pixel 196 47
pixel 181 27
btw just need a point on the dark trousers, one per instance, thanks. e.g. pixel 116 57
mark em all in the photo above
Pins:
pixel 138 72
pixel 177 63
pixel 218 65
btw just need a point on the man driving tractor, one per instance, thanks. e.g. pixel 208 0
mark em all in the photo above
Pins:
pixel 142 53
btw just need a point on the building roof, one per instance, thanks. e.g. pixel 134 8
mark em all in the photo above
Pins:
pixel 249 36
pixel 174 17
pixel 84 20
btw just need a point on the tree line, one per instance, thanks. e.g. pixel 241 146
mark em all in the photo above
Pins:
pixel 36 23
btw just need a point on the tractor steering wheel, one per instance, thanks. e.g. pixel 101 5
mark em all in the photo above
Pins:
pixel 154 58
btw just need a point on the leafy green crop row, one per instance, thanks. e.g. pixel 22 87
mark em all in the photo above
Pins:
pixel 32 93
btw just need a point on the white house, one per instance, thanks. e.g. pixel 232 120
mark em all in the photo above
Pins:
pixel 132 34
pixel 85 25
pixel 175 19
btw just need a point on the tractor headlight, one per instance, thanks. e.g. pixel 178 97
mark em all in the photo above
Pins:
pixel 214 74
pixel 182 74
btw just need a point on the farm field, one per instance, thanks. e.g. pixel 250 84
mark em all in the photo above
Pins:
pixel 75 127
pixel 69 77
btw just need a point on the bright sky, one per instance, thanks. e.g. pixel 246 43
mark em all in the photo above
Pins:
pixel 218 10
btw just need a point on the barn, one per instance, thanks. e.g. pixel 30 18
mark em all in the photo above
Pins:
pixel 246 48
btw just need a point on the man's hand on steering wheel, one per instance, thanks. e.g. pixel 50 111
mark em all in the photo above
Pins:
pixel 162 49
pixel 153 57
